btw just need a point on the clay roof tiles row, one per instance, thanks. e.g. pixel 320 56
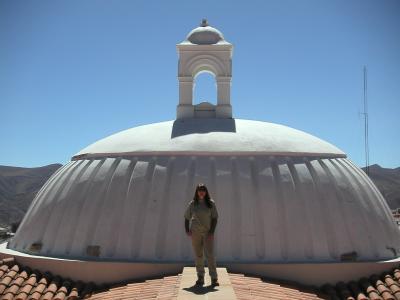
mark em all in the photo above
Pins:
pixel 385 286
pixel 22 283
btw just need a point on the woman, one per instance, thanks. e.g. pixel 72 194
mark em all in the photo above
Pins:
pixel 203 214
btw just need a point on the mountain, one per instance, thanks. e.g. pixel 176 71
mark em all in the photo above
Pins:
pixel 388 182
pixel 18 187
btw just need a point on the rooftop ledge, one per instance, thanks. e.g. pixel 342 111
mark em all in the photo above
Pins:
pixel 108 271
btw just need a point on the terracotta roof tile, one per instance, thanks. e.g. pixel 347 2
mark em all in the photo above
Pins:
pixel 62 292
pixel 21 283
pixel 27 287
pixel 385 286
pixel 15 285
pixel 7 278
pixel 3 270
pixel 252 287
pixel 393 285
pixel 160 288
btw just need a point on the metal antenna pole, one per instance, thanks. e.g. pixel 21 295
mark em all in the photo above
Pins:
pixel 366 141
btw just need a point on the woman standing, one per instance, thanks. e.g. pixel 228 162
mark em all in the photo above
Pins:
pixel 203 214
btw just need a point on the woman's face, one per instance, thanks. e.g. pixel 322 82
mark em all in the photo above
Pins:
pixel 201 193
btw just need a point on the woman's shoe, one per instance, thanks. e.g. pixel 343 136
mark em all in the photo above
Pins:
pixel 200 280
pixel 214 282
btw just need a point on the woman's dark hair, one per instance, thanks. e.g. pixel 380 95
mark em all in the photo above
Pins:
pixel 202 186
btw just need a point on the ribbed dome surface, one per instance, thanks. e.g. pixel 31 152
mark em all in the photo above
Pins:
pixel 271 207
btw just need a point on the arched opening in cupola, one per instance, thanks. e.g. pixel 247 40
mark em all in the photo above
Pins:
pixel 204 88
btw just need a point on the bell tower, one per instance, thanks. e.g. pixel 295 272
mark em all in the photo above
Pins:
pixel 204 50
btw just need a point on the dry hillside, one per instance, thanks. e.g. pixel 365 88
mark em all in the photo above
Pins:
pixel 18 187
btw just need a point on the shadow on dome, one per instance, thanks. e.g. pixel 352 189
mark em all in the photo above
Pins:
pixel 183 127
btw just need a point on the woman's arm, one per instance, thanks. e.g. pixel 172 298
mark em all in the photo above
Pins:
pixel 214 218
pixel 188 215
pixel 187 225
pixel 213 225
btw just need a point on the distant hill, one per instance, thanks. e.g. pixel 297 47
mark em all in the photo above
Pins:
pixel 18 187
pixel 388 182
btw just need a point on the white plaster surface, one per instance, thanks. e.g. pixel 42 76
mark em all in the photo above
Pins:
pixel 204 35
pixel 98 272
pixel 271 209
pixel 212 136
pixel 204 50
pixel 115 271
pixel 316 274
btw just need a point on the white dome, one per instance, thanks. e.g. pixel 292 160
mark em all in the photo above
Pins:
pixel 205 35
pixel 211 136
pixel 294 198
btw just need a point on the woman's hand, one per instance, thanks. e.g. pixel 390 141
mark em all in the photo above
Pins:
pixel 189 233
pixel 210 236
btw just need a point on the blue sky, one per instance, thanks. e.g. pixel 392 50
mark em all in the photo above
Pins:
pixel 72 72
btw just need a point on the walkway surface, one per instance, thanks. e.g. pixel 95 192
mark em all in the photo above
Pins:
pixel 189 291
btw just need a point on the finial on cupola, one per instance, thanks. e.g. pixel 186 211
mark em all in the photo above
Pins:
pixel 204 23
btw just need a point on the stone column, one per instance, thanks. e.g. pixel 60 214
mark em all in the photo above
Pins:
pixel 224 108
pixel 185 108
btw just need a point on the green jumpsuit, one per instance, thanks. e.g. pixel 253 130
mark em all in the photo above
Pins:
pixel 200 216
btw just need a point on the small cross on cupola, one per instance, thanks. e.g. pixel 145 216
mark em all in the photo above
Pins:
pixel 204 50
